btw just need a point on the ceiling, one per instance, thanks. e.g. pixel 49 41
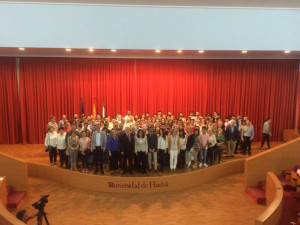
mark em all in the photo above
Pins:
pixel 272 4
pixel 130 53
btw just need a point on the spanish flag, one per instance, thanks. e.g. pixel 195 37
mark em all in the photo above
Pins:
pixel 94 111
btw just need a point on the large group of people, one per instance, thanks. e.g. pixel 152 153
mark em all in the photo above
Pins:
pixel 144 143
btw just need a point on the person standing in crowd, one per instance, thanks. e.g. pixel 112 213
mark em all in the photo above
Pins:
pixel 220 145
pixel 52 123
pixel 85 129
pixel 231 136
pixel 62 147
pixel 162 146
pixel 204 137
pixel 141 149
pixel 127 144
pixel 113 151
pixel 98 147
pixel 50 144
pixel 247 134
pixel 189 146
pixel 212 145
pixel 73 146
pixel 183 142
pixel 197 147
pixel 152 148
pixel 84 144
pixel 266 134
pixel 61 123
pixel 174 148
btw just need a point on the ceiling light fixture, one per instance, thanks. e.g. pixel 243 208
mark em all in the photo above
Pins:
pixel 91 50
pixel 287 52
pixel 201 51
pixel 244 51
pixel 113 50
pixel 68 50
pixel 21 49
pixel 179 51
pixel 157 51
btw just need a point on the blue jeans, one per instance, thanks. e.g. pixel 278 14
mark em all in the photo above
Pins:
pixel 203 154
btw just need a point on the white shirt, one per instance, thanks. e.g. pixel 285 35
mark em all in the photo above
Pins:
pixel 212 140
pixel 162 143
pixel 60 141
pixel 174 146
pixel 98 138
pixel 50 139
pixel 182 140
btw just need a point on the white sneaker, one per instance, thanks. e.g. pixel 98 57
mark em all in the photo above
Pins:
pixel 200 165
pixel 205 165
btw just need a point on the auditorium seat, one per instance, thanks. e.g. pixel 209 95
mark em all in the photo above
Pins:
pixel 14 198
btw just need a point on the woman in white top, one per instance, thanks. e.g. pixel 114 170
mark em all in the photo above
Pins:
pixel 141 149
pixel 50 144
pixel 183 141
pixel 162 146
pixel 174 148
pixel 212 145
pixel 85 144
pixel 61 147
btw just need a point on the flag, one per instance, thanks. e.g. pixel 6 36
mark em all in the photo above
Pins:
pixel 82 108
pixel 94 111
pixel 103 109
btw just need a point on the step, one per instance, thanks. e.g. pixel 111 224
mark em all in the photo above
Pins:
pixel 15 198
pixel 262 184
pixel 285 184
pixel 257 194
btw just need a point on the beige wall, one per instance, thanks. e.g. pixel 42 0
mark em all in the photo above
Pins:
pixel 282 157
pixel 142 184
pixel 15 172
pixel 274 194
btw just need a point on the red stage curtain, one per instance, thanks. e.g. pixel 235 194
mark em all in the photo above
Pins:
pixel 254 88
pixel 10 108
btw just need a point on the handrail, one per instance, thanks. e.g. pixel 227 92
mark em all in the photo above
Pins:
pixel 274 193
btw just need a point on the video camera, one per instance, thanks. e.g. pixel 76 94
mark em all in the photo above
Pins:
pixel 40 204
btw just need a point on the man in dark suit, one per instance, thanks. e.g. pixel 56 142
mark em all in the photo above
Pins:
pixel 152 148
pixel 231 136
pixel 127 149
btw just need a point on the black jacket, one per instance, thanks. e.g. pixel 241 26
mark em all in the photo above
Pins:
pixel 152 141
pixel 125 145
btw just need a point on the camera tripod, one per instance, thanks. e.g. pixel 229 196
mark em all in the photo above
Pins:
pixel 41 215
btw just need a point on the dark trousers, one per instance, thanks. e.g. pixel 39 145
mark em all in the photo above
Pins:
pixel 210 154
pixel 114 160
pixel 98 157
pixel 265 137
pixel 181 159
pixel 63 157
pixel 52 154
pixel 247 145
pixel 218 154
pixel 85 159
pixel 142 161
pixel 128 156
pixel 161 159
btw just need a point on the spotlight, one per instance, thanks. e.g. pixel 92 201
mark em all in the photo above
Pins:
pixel 157 51
pixel 244 51
pixel 179 51
pixel 287 52
pixel 113 50
pixel 91 50
pixel 68 50
pixel 201 51
pixel 21 49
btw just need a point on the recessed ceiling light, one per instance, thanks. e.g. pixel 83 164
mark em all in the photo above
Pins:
pixel 201 51
pixel 287 52
pixel 244 51
pixel 179 51
pixel 21 49
pixel 68 49
pixel 157 51
pixel 113 50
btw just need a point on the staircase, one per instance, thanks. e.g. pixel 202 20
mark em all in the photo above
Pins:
pixel 258 193
pixel 14 198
